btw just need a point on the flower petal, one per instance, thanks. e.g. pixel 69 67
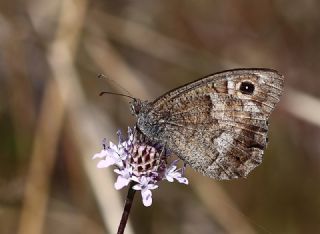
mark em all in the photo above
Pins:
pixel 172 168
pixel 119 172
pixel 137 187
pixel 146 197
pixel 121 182
pixel 113 146
pixel 182 180
pixel 105 163
pixel 144 180
pixel 152 186
pixel 134 178
pixel 102 154
pixel 169 178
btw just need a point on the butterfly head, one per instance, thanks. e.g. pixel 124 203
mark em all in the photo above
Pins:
pixel 137 106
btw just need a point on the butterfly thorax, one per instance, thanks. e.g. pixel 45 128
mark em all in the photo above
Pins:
pixel 147 122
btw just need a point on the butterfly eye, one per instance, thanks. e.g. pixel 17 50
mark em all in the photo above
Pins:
pixel 246 88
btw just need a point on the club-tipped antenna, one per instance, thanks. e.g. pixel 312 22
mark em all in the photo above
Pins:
pixel 101 76
pixel 118 94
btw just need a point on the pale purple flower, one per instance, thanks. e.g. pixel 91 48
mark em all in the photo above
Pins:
pixel 141 162
pixel 110 155
pixel 124 177
pixel 145 184
pixel 171 174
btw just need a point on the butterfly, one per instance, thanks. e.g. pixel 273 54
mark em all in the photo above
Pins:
pixel 218 125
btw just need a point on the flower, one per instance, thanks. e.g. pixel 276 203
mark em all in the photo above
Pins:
pixel 139 161
pixel 123 178
pixel 111 158
pixel 145 184
pixel 171 173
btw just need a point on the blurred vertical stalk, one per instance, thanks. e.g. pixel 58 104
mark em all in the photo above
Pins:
pixel 302 106
pixel 49 126
pixel 127 208
pixel 42 161
pixel 19 88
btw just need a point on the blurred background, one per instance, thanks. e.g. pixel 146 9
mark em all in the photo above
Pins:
pixel 52 120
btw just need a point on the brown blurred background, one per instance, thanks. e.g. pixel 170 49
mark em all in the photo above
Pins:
pixel 52 119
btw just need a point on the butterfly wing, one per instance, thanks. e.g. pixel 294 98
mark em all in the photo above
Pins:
pixel 218 124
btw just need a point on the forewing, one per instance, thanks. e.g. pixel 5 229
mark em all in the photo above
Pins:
pixel 213 126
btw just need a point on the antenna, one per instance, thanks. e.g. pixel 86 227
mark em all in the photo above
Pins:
pixel 119 94
pixel 101 76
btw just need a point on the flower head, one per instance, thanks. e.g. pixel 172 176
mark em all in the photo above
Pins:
pixel 139 161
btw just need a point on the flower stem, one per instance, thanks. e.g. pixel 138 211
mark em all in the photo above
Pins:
pixel 126 210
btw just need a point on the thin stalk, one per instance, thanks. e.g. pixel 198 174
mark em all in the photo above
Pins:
pixel 127 208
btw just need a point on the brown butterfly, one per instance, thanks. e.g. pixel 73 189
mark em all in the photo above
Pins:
pixel 217 124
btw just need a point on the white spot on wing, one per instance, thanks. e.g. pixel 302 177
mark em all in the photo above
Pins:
pixel 230 86
pixel 218 106
pixel 251 107
pixel 223 142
